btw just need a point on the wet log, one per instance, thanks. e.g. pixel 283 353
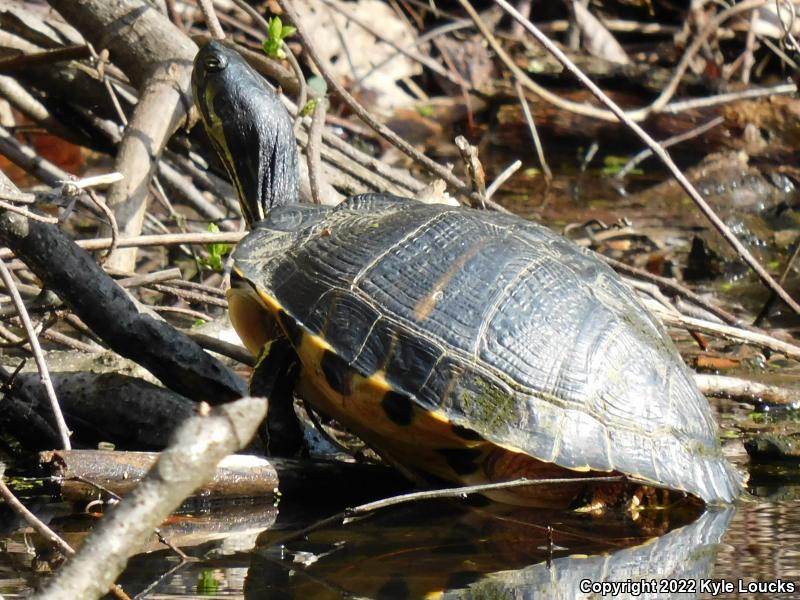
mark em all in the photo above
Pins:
pixel 99 407
pixel 238 475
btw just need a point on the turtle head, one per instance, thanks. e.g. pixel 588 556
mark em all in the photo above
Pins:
pixel 249 128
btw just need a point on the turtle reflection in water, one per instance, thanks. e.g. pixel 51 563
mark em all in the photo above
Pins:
pixel 460 344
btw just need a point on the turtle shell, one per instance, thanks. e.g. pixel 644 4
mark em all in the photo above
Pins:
pixel 441 334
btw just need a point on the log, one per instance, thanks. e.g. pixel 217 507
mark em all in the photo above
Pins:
pixel 313 481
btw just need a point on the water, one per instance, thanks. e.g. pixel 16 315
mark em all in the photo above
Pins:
pixel 450 549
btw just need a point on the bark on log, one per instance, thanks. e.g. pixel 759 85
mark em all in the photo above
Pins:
pixel 310 481
pixel 99 407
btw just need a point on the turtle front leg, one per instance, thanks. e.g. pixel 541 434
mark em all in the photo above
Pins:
pixel 274 378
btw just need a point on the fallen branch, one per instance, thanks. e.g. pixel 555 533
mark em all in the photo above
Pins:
pixel 108 310
pixel 740 389
pixel 198 446
pixel 84 473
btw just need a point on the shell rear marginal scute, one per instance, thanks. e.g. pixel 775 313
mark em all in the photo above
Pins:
pixel 506 328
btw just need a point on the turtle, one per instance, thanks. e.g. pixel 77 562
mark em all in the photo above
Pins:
pixel 463 345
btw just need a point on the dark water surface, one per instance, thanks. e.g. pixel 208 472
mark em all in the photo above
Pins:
pixel 445 549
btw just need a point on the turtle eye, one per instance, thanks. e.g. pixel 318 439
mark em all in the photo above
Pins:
pixel 215 63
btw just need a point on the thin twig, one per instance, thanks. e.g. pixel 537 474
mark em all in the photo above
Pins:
pixel 112 222
pixel 302 93
pixel 537 143
pixel 70 342
pixel 26 213
pixel 234 351
pixel 675 139
pixel 787 268
pixel 100 62
pixel 30 518
pixel 708 101
pixel 502 178
pixel 212 21
pixel 43 530
pixel 167 239
pixel 736 334
pixel 179 310
pixel 41 364
pixel 675 288
pixel 191 296
pixel 658 151
pixel 315 176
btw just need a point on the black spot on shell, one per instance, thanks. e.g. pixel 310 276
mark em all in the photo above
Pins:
pixel 337 373
pixel 463 461
pixel 467 434
pixel 291 328
pixel 398 408
pixel 394 589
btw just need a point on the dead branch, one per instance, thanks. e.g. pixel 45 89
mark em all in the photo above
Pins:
pixel 745 390
pixel 157 56
pixel 125 411
pixel 108 310
pixel 191 459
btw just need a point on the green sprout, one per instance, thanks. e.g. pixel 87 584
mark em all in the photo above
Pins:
pixel 273 45
pixel 309 107
pixel 216 252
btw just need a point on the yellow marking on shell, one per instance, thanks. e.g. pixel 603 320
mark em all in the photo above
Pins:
pixel 413 445
pixel 439 416
pixel 425 306
pixel 270 301
pixel 379 382
pixel 318 342
pixel 434 595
